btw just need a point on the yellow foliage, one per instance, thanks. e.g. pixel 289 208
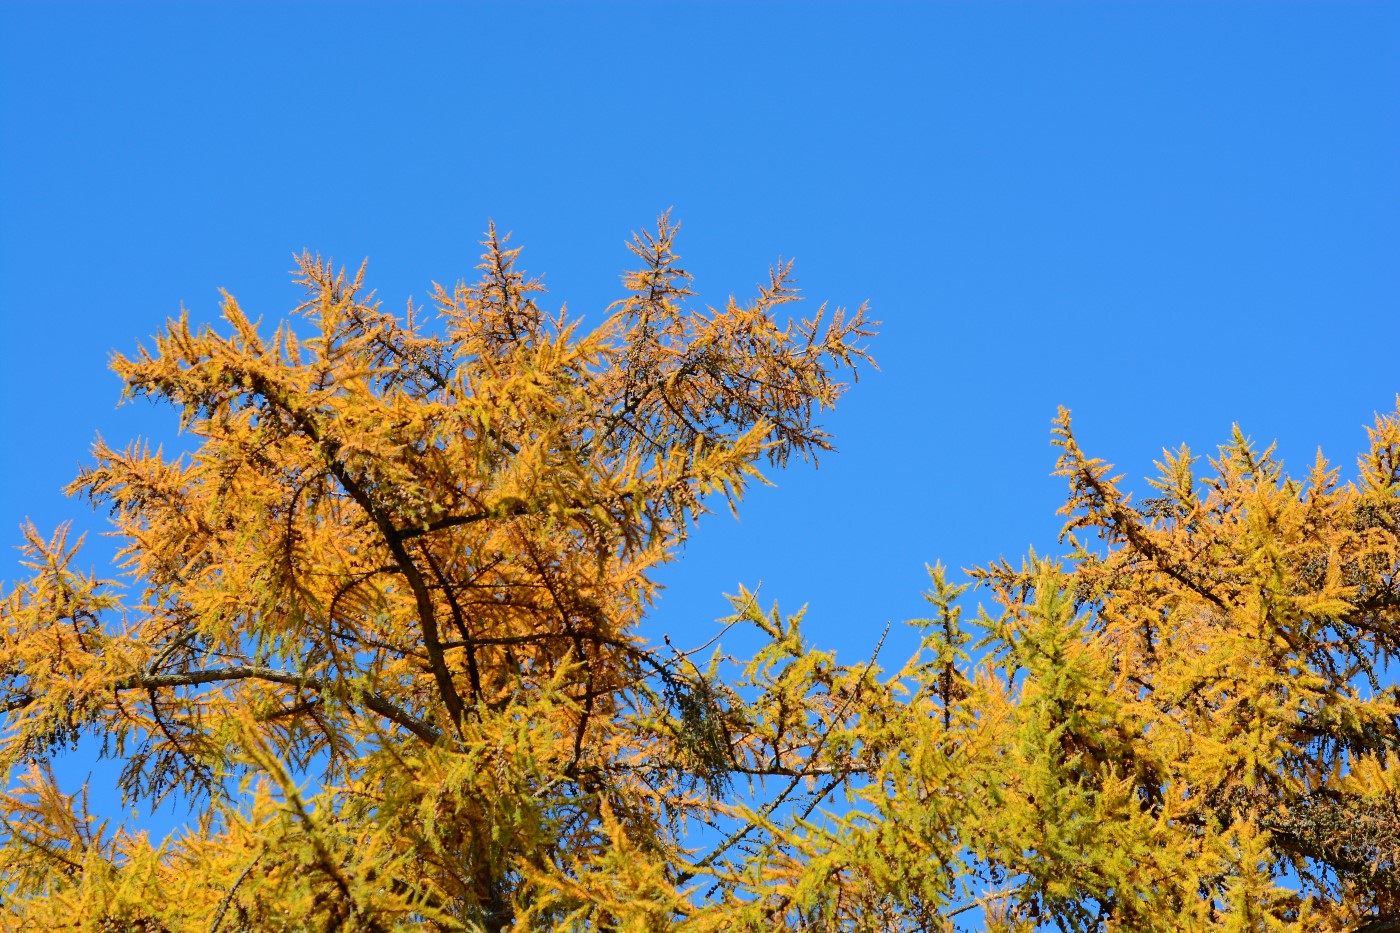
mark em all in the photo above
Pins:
pixel 381 627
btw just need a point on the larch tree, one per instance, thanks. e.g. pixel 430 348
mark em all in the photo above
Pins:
pixel 410 566
pixel 381 628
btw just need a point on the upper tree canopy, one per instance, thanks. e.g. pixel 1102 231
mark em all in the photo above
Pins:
pixel 381 627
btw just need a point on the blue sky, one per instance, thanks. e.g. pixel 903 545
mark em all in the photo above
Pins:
pixel 1169 217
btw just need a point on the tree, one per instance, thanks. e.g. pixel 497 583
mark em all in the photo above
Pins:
pixel 411 566
pixel 383 631
pixel 1200 705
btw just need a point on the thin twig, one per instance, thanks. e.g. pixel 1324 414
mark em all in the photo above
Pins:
pixel 228 898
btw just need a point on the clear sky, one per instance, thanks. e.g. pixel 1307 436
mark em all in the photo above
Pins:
pixel 1168 216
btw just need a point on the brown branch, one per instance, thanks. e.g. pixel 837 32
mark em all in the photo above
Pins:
pixel 371 701
pixel 427 617
pixel 1140 542
pixel 460 619
pixel 1390 924
pixel 233 889
pixel 453 521
pixel 798 776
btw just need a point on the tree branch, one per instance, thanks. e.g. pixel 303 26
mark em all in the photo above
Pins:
pixel 371 701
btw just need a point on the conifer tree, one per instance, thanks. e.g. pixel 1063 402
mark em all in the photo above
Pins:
pixel 381 627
